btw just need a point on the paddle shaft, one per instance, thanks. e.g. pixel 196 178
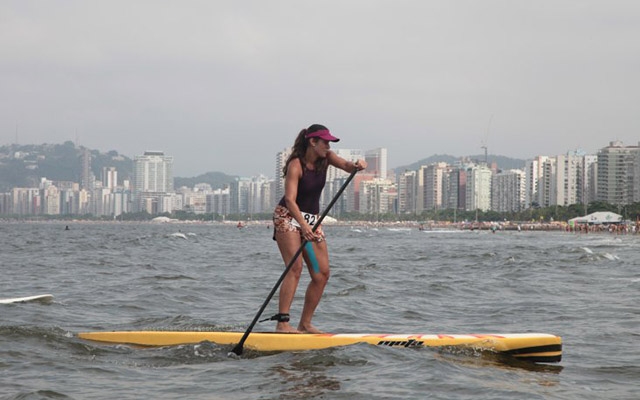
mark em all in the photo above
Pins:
pixel 238 348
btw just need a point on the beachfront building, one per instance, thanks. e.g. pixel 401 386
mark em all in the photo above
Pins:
pixel 589 188
pixel 25 201
pixel 281 160
pixel 258 192
pixel 533 177
pixel 452 182
pixel 377 196
pixel 109 177
pixel 570 182
pixel 336 177
pixel 376 162
pixel 192 199
pixel 508 191
pixel 407 184
pixel 86 179
pixel 239 195
pixel 433 185
pixel 478 188
pixel 218 202
pixel 560 180
pixel 619 174
pixel 153 182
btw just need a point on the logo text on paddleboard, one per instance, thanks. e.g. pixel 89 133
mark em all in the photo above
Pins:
pixel 402 343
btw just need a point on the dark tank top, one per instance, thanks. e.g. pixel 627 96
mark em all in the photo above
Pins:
pixel 309 190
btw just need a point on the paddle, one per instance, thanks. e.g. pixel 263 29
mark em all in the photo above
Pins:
pixel 238 348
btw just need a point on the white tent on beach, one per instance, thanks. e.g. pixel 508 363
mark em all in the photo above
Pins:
pixel 597 218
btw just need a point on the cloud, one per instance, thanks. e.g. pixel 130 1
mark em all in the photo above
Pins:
pixel 211 82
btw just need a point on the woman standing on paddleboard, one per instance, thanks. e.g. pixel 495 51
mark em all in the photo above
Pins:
pixel 305 174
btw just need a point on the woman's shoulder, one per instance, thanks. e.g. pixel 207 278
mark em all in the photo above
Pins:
pixel 295 166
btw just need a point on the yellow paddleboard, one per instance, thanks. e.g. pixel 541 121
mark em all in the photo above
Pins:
pixel 534 347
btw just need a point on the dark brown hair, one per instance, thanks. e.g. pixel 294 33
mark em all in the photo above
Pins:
pixel 299 150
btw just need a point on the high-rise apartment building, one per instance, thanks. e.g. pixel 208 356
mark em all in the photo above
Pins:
pixel 478 188
pixel 109 177
pixel 570 175
pixel 377 196
pixel 153 172
pixel 339 176
pixel 86 178
pixel 617 181
pixel 377 162
pixel 433 175
pixel 407 184
pixel 451 185
pixel 508 191
pixel 153 182
pixel 218 202
pixel 281 160
pixel 533 171
pixel 590 179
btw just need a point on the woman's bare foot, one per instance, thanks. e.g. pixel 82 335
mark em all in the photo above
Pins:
pixel 285 327
pixel 309 329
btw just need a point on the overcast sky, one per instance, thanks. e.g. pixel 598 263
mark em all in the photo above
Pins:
pixel 225 85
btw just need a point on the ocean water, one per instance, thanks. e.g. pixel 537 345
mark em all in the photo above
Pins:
pixel 130 276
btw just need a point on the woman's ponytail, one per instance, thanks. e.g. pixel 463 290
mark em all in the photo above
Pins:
pixel 299 149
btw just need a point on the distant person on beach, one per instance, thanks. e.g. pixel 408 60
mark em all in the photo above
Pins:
pixel 305 174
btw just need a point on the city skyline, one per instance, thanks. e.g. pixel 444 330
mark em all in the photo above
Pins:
pixel 346 152
pixel 613 176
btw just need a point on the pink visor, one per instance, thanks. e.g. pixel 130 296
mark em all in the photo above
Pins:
pixel 324 135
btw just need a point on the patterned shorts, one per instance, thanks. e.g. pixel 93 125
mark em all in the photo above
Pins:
pixel 282 223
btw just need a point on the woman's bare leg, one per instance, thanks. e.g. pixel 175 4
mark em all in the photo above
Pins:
pixel 316 287
pixel 288 243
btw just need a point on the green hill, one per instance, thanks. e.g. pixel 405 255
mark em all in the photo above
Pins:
pixel 217 180
pixel 502 162
pixel 26 165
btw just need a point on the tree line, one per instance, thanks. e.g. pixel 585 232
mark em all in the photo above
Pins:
pixel 533 214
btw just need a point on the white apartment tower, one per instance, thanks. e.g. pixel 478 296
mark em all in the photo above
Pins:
pixel 533 171
pixel 478 188
pixel 153 182
pixel 407 183
pixel 109 177
pixel 281 160
pixel 570 178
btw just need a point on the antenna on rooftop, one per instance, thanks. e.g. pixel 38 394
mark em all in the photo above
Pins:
pixel 483 143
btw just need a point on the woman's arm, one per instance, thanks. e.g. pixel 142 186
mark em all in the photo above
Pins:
pixel 294 173
pixel 347 166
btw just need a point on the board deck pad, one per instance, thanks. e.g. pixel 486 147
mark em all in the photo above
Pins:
pixel 534 347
